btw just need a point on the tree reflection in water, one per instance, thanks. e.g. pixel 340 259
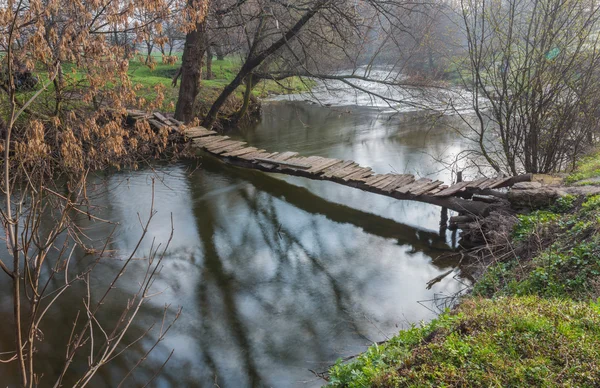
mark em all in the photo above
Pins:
pixel 273 280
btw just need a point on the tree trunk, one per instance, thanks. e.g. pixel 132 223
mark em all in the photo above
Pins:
pixel 191 70
pixel 149 48
pixel 219 52
pixel 253 61
pixel 247 94
pixel 209 58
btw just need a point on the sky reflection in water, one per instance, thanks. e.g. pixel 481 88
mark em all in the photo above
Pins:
pixel 276 275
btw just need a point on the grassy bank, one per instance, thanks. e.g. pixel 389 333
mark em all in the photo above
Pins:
pixel 224 71
pixel 147 78
pixel 531 320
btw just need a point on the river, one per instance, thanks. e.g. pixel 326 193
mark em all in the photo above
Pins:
pixel 276 275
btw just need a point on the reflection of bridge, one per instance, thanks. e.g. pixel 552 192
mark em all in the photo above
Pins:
pixel 458 197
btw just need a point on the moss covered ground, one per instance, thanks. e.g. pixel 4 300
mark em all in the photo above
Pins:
pixel 532 319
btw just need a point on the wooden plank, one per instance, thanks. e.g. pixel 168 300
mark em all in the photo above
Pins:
pixel 435 191
pixel 260 155
pixel 404 182
pixel 341 169
pixel 487 184
pixel 198 132
pixel 277 162
pixel 328 172
pixel 243 151
pixel 365 171
pixel 302 162
pixel 500 182
pixel 285 156
pixel 401 180
pixel 162 118
pixel 376 178
pixel 257 154
pixel 350 170
pixel 425 189
pixel 233 147
pixel 452 189
pixel 365 178
pixel 419 186
pixel 390 178
pixel 209 140
pixel 157 124
pixel 135 112
pixel 392 182
pixel 476 183
pixel 316 169
pixel 406 189
pixel 216 146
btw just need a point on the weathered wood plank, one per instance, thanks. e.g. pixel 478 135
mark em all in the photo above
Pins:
pixel 283 163
pixel 157 124
pixel 329 171
pixel 286 155
pixel 488 183
pixel 350 170
pixel 406 189
pixel 300 161
pixel 390 178
pixel 452 189
pixel 435 191
pixel 216 146
pixel 208 140
pixel 425 189
pixel 340 169
pixel 232 147
pixel 162 118
pixel 401 180
pixel 392 182
pixel 257 154
pixel 365 171
pixel 243 151
pixel 419 186
pixel 198 132
pixel 316 169
pixel 500 182
pixel 474 184
pixel 376 178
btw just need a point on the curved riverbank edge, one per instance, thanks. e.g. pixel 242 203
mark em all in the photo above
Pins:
pixel 531 319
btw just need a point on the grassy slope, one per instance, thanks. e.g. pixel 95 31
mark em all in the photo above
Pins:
pixel 161 74
pixel 531 320
pixel 224 71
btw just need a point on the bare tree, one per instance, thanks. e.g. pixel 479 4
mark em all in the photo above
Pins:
pixel 317 39
pixel 47 155
pixel 532 68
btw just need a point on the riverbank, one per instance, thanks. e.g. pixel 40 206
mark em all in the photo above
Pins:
pixel 530 320
pixel 160 75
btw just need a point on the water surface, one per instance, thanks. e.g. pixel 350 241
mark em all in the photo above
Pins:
pixel 277 275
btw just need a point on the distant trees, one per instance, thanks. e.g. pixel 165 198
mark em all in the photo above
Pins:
pixel 317 39
pixel 533 69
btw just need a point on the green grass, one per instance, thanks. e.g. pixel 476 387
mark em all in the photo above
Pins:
pixel 533 318
pixel 223 73
pixel 505 342
pixel 147 78
pixel 588 168
pixel 566 258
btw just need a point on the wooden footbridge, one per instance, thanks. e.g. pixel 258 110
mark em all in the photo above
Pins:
pixel 471 197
